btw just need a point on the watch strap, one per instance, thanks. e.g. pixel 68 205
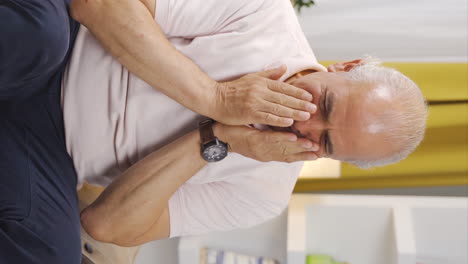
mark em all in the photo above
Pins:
pixel 206 131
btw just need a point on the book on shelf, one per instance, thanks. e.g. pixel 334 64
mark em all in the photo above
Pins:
pixel 321 259
pixel 216 256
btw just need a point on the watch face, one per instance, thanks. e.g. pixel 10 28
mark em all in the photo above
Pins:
pixel 215 153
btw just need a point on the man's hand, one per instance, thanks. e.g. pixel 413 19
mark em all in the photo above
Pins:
pixel 128 31
pixel 266 145
pixel 258 98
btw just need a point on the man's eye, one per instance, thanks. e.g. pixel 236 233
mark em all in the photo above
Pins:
pixel 322 103
pixel 325 143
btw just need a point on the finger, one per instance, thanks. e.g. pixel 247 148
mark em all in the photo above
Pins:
pixel 282 143
pixel 307 144
pixel 290 140
pixel 299 146
pixel 272 120
pixel 283 111
pixel 275 136
pixel 273 74
pixel 290 90
pixel 290 102
pixel 303 156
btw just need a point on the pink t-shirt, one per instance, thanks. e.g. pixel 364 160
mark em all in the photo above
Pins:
pixel 113 118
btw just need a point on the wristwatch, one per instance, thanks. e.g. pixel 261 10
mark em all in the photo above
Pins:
pixel 212 149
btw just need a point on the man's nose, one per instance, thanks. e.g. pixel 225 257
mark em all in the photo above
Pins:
pixel 311 132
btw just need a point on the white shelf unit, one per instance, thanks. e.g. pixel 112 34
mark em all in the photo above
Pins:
pixel 266 240
pixel 378 229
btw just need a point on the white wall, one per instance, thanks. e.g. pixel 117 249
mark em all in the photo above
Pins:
pixel 394 30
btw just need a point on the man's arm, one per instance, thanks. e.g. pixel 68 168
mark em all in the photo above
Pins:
pixel 134 208
pixel 128 31
pixel 135 204
pixel 126 28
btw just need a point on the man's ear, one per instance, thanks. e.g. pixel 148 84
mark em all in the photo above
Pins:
pixel 345 66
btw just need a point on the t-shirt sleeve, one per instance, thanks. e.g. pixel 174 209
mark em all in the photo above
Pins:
pixel 259 192
pixel 195 18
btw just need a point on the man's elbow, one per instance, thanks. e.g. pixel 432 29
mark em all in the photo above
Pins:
pixel 96 227
pixel 84 10
pixel 101 230
pixel 76 10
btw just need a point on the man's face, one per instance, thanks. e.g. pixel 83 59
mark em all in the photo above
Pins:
pixel 345 123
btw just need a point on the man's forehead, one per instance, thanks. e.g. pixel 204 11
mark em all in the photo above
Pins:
pixel 362 132
pixel 359 144
pixel 382 92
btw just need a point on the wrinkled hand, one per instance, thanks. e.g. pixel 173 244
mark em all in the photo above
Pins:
pixel 266 145
pixel 259 98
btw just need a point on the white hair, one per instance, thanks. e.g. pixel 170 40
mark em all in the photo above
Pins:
pixel 405 124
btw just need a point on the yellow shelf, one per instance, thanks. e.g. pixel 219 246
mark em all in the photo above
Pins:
pixel 310 185
pixel 444 149
pixel 438 81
